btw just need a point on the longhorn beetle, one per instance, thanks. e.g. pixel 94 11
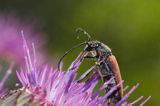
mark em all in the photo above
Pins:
pixel 108 68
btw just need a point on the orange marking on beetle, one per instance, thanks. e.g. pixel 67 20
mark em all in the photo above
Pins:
pixel 112 59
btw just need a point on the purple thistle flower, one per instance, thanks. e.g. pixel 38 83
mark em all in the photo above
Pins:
pixel 10 32
pixel 51 87
pixel 11 49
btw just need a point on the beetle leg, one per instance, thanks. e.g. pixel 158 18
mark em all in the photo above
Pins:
pixel 84 75
pixel 90 57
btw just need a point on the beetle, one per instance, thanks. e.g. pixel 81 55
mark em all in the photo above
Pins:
pixel 108 68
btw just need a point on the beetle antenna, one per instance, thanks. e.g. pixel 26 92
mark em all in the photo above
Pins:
pixel 74 47
pixel 80 30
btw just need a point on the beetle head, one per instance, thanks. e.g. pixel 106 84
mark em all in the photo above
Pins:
pixel 92 45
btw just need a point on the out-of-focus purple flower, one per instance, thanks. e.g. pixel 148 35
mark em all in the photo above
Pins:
pixel 51 87
pixel 11 44
pixel 11 48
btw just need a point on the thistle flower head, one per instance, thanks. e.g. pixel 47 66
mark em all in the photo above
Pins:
pixel 11 49
pixel 52 87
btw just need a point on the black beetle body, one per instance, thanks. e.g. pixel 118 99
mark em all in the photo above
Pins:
pixel 107 68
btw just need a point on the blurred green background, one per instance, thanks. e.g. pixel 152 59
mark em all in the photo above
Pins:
pixel 130 27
